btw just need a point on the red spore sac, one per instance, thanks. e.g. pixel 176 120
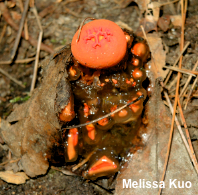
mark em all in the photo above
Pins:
pixel 101 44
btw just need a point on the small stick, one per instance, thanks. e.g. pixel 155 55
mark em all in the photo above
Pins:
pixel 176 61
pixel 3 32
pixel 11 78
pixel 105 116
pixel 187 82
pixel 15 47
pixel 185 71
pixel 191 90
pixel 20 61
pixel 38 50
pixel 83 162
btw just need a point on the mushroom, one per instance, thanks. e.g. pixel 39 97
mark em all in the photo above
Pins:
pixel 72 145
pixel 68 113
pixel 105 165
pixel 141 50
pixel 102 44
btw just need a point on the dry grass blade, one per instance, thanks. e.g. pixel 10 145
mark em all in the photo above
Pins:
pixel 15 47
pixel 11 78
pixel 187 82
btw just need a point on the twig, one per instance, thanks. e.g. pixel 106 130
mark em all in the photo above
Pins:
pixel 176 61
pixel 12 78
pixel 38 50
pixel 187 82
pixel 83 162
pixel 185 71
pixel 191 90
pixel 21 61
pixel 18 37
pixel 3 32
pixel 105 116
pixel 9 20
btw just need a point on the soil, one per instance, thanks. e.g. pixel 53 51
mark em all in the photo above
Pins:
pixel 60 20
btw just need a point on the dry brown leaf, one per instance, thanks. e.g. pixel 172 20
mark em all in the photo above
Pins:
pixel 14 178
pixel 164 22
pixel 176 20
pixel 142 4
pixel 158 55
pixel 32 131
pixel 151 18
pixel 15 15
pixel 147 164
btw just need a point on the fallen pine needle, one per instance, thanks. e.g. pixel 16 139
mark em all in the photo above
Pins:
pixel 21 61
pixel 12 78
pixel 188 80
pixel 176 61
pixel 185 71
pixel 191 90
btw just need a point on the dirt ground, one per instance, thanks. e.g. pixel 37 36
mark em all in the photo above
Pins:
pixel 60 20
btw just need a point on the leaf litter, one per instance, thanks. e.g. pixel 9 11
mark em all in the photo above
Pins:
pixel 153 153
